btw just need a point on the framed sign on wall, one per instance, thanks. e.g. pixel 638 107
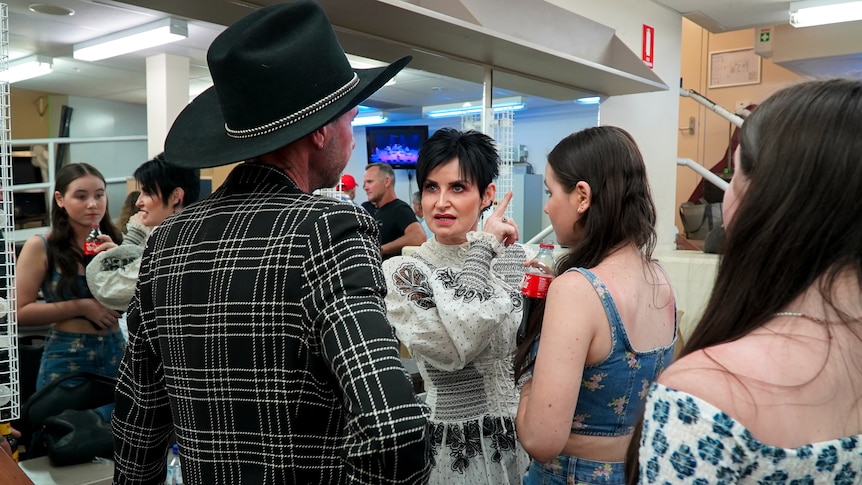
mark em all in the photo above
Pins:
pixel 735 67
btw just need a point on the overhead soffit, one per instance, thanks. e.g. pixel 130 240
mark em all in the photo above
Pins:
pixel 562 60
pixel 564 52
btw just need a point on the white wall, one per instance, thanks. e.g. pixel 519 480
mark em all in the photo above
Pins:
pixel 651 118
pixel 100 118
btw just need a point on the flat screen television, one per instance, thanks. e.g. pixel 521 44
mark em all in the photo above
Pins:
pixel 397 146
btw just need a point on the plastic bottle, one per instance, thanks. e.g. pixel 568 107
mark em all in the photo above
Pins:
pixel 540 271
pixel 175 472
pixel 6 432
pixel 92 241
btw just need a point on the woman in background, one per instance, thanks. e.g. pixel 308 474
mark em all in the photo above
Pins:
pixel 130 208
pixel 608 325
pixel 165 190
pixel 769 385
pixel 417 209
pixel 456 305
pixel 84 334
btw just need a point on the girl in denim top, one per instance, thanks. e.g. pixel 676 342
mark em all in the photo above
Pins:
pixel 84 335
pixel 608 325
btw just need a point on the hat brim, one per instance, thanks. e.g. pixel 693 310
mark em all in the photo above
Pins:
pixel 197 138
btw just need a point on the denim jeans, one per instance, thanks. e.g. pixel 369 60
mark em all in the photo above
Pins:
pixel 571 470
pixel 71 352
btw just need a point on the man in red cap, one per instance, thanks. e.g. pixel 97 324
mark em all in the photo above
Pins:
pixel 347 187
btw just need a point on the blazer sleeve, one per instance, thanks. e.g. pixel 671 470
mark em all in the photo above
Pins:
pixel 140 452
pixel 447 316
pixel 387 428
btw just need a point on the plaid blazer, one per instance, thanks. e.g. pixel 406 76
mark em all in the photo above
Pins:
pixel 258 335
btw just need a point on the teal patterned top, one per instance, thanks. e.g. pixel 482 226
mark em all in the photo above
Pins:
pixel 688 440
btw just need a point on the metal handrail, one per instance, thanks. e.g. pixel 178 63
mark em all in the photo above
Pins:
pixel 541 235
pixel 703 172
pixel 685 162
pixel 731 117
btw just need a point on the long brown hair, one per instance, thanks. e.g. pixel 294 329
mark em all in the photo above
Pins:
pixel 798 222
pixel 799 219
pixel 621 209
pixel 62 250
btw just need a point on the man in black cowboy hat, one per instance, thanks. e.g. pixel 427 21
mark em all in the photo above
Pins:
pixel 258 333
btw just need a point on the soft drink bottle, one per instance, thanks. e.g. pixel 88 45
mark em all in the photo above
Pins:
pixel 92 241
pixel 540 271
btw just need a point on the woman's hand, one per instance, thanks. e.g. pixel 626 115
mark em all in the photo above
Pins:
pixel 503 228
pixel 137 217
pixel 100 316
pixel 107 243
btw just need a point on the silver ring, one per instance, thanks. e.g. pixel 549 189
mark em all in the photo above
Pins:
pixel 504 219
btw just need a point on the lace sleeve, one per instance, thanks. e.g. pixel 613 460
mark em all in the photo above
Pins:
pixel 447 316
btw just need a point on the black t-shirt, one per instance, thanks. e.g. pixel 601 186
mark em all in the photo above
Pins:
pixel 392 219
pixel 369 207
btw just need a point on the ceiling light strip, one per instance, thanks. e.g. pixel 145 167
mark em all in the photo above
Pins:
pixel 819 12
pixel 142 37
pixel 26 68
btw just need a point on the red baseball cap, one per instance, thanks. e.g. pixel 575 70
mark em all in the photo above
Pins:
pixel 347 182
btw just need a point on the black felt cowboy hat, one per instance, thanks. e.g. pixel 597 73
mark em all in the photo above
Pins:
pixel 279 74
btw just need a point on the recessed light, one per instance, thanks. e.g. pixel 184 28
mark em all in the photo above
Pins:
pixel 51 9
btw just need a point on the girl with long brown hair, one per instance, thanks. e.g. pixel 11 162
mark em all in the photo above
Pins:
pixel 608 324
pixel 769 386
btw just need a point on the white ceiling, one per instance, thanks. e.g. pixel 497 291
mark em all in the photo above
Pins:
pixel 729 15
pixel 123 78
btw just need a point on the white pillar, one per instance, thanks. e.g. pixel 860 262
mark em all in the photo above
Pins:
pixel 488 101
pixel 167 95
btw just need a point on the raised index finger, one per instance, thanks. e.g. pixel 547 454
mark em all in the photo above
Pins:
pixel 501 208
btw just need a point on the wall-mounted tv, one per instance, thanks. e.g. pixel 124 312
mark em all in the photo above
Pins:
pixel 397 146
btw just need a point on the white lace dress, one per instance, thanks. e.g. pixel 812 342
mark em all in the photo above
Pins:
pixel 458 309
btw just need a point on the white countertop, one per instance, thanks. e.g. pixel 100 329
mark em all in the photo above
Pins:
pixel 41 472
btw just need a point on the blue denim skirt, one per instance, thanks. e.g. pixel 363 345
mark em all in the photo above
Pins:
pixel 571 470
pixel 69 352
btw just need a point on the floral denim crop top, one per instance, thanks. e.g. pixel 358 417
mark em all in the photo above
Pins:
pixel 49 286
pixel 613 392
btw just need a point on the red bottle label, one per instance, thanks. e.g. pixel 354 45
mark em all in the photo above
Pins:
pixel 535 285
pixel 90 247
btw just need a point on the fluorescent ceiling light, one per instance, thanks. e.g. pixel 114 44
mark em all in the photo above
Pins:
pixel 589 100
pixel 371 119
pixel 142 37
pixel 514 103
pixel 820 12
pixel 26 68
